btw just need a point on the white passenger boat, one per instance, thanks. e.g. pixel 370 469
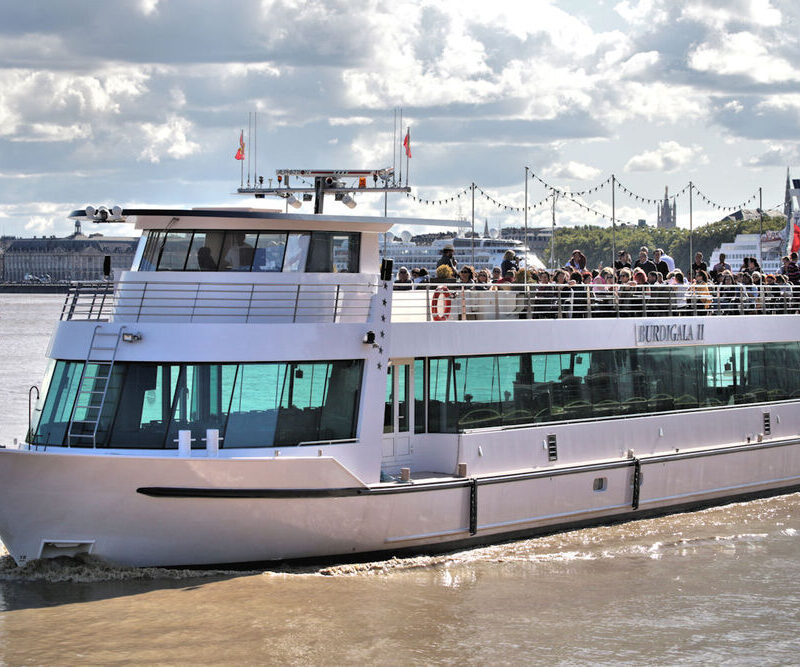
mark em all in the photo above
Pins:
pixel 253 389
pixel 481 252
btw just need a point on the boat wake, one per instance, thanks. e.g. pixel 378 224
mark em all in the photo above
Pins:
pixel 90 569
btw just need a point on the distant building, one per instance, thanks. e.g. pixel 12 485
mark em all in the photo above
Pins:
pixel 666 217
pixel 76 257
pixel 641 222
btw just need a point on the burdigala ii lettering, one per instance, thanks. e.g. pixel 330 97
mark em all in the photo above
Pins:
pixel 668 333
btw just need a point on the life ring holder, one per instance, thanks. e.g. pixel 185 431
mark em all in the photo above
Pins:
pixel 444 294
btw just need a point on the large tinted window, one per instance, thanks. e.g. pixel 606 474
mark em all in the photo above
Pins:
pixel 490 391
pixel 311 252
pixel 252 405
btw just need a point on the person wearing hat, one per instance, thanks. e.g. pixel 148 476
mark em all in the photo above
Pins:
pixel 448 258
pixel 509 263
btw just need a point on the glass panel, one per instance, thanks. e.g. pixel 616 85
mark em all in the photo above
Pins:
pixel 269 251
pixel 176 248
pixel 402 398
pixel 388 404
pixel 42 395
pixel 202 399
pixel 288 404
pixel 419 396
pixel 253 417
pixel 152 249
pixel 205 251
pixel 296 252
pixel 238 251
pixel 331 251
pixel 144 407
pixel 52 427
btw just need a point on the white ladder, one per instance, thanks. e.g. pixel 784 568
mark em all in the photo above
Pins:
pixel 92 389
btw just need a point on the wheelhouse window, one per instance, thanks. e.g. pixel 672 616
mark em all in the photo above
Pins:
pixel 235 250
pixel 252 405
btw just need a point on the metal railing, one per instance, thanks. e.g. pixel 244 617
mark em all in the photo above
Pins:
pixel 144 301
pixel 452 301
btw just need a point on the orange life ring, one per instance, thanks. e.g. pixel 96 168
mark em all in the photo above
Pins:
pixel 435 314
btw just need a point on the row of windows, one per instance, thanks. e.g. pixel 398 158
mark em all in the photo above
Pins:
pixel 451 394
pixel 314 252
pixel 252 405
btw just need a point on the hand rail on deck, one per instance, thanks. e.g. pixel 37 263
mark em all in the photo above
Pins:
pixel 137 301
pixel 454 301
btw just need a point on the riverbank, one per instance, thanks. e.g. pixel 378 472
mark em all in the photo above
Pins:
pixel 33 288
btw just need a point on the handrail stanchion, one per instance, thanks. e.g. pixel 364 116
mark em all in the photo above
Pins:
pixel 336 302
pixel 427 304
pixel 141 303
pixel 296 304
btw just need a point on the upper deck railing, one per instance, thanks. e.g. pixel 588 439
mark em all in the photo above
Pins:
pixel 150 301
pixel 147 301
pixel 454 301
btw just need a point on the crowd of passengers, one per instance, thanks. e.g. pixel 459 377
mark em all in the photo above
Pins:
pixel 648 285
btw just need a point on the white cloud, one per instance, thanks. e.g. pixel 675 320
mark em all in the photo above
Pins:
pixel 352 120
pixel 148 7
pixel 170 138
pixel 668 157
pixel 649 12
pixel 38 224
pixel 743 54
pixel 720 15
pixel 573 170
pixel 54 132
pixel 775 156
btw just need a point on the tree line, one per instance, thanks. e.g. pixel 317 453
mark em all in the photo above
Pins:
pixel 597 242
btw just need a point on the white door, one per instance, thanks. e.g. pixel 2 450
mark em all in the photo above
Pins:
pixel 398 422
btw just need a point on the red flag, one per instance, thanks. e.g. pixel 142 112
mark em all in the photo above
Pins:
pixel 407 143
pixel 240 152
pixel 796 239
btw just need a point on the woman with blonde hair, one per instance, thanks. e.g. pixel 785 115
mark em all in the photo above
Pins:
pixel 444 274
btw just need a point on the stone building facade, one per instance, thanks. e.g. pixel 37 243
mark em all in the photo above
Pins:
pixel 64 259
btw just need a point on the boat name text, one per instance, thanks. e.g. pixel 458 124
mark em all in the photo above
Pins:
pixel 651 334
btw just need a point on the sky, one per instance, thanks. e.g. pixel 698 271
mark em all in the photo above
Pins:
pixel 141 102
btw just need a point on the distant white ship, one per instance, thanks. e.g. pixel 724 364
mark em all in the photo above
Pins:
pixel 488 252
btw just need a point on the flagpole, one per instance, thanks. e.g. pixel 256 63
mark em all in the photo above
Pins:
pixel 394 143
pixel 255 148
pixel 472 237
pixel 249 124
pixel 526 224
pixel 401 156
pixel 241 135
pixel 613 219
pixel 408 150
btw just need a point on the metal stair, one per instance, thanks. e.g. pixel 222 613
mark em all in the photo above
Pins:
pixel 92 389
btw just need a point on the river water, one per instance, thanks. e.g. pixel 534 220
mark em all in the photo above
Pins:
pixel 719 586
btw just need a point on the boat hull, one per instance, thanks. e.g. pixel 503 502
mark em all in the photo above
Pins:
pixel 144 511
